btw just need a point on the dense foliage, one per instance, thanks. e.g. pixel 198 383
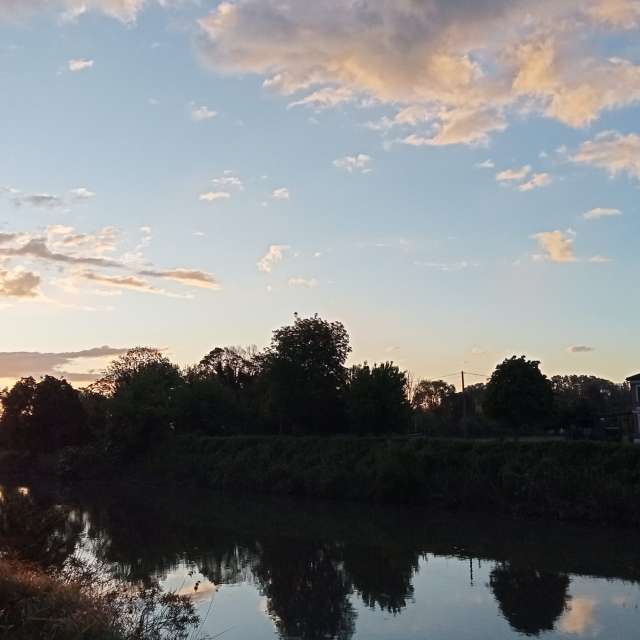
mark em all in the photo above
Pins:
pixel 299 385
pixel 587 481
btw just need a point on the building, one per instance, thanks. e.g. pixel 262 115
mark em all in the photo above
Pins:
pixel 634 384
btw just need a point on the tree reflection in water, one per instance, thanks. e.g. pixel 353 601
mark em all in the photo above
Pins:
pixel 531 601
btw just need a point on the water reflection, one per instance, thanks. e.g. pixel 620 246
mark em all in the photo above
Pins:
pixel 327 571
pixel 532 601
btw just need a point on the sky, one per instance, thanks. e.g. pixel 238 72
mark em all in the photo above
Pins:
pixel 454 180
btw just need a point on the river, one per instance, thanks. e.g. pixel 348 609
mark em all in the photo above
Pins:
pixel 261 568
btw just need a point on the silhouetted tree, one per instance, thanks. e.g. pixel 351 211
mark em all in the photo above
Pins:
pixel 518 395
pixel 17 408
pixel 530 600
pixel 305 374
pixel 430 395
pixel 42 416
pixel 580 398
pixel 58 418
pixel 142 386
pixel 220 394
pixel 234 367
pixel 376 399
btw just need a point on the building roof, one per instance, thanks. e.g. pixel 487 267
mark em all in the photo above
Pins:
pixel 635 378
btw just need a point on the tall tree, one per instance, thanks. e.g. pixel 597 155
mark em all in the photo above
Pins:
pixel 377 400
pixel 143 385
pixel 518 394
pixel 306 374
pixel 58 418
pixel 17 408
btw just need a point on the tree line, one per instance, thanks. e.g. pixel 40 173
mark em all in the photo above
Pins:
pixel 299 385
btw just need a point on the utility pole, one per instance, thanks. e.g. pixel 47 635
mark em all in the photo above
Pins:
pixel 464 405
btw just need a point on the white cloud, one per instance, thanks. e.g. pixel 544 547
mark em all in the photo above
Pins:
pixel 601 212
pixel 303 282
pixel 360 162
pixel 80 64
pixel 212 196
pixel 81 193
pixel 557 246
pixel 486 164
pixel 599 259
pixel 229 180
pixel 274 255
pixel 537 181
pixel 514 175
pixel 613 152
pixel 281 194
pixel 462 67
pixel 201 113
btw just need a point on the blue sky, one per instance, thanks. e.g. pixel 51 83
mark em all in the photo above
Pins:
pixel 189 174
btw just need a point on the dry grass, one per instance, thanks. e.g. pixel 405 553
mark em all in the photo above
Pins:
pixel 33 605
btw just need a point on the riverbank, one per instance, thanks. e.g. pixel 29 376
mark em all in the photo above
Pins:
pixel 582 481
pixel 573 481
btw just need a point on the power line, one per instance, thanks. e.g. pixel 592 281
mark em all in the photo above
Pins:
pixel 449 375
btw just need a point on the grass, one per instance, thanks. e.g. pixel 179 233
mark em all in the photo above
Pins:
pixel 33 604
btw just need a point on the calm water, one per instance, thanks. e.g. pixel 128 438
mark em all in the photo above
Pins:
pixel 268 569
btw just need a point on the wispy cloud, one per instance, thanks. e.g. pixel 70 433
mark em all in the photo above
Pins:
pixel 129 282
pixel 80 64
pixel 275 254
pixel 309 283
pixel 19 283
pixel 229 180
pixel 71 253
pixel 601 212
pixel 202 113
pixel 536 181
pixel 580 348
pixel 281 194
pixel 557 246
pixel 213 196
pixel 613 152
pixel 360 162
pixel 514 175
pixel 191 277
pixel 445 266
pixel 16 364
pixel 44 200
